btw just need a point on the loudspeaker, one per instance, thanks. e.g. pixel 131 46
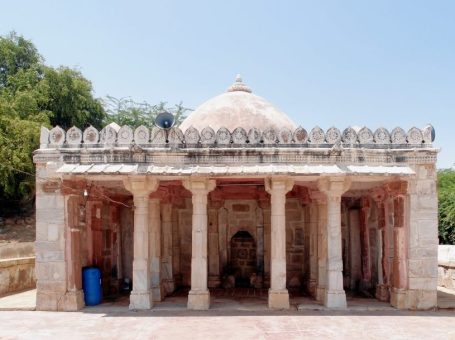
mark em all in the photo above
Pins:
pixel 164 120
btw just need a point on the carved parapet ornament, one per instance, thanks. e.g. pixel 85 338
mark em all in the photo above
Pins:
pixel 113 135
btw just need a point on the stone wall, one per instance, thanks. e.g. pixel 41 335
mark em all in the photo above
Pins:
pixel 446 266
pixel 17 274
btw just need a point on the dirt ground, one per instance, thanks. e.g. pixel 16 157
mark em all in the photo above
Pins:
pixel 17 230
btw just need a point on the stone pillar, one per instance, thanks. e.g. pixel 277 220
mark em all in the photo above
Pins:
pixel 199 296
pixel 382 288
pixel 51 233
pixel 423 239
pixel 365 283
pixel 140 186
pixel 333 188
pixel 213 245
pixel 74 298
pixel 398 294
pixel 264 205
pixel 166 259
pixel 320 204
pixel 222 237
pixel 278 294
pixel 313 226
pixel 155 250
pixel 259 247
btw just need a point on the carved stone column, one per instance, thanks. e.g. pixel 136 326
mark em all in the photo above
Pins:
pixel 278 294
pixel 320 202
pixel 140 186
pixel 333 188
pixel 166 259
pixel 382 289
pixel 213 244
pixel 313 224
pixel 398 294
pixel 199 296
pixel 365 283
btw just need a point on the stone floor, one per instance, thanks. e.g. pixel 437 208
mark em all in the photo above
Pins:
pixel 217 324
pixel 244 316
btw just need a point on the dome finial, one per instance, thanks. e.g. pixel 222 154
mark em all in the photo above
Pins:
pixel 239 85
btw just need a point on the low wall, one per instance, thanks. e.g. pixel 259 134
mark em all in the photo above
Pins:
pixel 17 274
pixel 446 266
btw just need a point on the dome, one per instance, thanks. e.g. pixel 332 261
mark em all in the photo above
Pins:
pixel 238 107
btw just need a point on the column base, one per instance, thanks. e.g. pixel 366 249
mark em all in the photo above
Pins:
pixel 157 293
pixel 320 294
pixel 198 300
pixel 398 298
pixel 335 299
pixel 73 301
pixel 141 300
pixel 382 292
pixel 278 299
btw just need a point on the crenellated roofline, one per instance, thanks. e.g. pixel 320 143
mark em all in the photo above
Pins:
pixel 115 136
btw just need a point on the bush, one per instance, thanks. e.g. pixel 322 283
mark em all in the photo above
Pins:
pixel 446 187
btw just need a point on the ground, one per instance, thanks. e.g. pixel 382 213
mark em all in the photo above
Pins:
pixel 227 325
pixel 228 318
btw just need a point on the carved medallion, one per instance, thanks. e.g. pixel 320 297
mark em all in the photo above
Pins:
pixel 191 135
pixel 285 136
pixel 398 136
pixel 382 136
pixel 158 136
pixel 415 136
pixel 365 136
pixel 57 136
pixel 74 136
pixel 300 136
pixel 141 135
pixel 269 136
pixel 208 136
pixel 317 136
pixel 349 136
pixel 125 135
pixel 175 136
pixel 254 136
pixel 91 136
pixel 223 136
pixel 333 135
pixel 239 136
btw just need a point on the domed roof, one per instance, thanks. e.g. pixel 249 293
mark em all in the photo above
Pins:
pixel 238 107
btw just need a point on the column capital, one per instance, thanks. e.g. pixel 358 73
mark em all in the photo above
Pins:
pixel 398 188
pixel 318 197
pixel 141 185
pixel 278 184
pixel 378 194
pixel 199 185
pixel 334 186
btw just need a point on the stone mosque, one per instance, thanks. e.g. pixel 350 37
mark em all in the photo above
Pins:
pixel 237 197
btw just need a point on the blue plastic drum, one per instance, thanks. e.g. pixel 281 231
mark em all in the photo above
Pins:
pixel 91 283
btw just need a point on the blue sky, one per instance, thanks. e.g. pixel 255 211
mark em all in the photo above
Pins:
pixel 326 63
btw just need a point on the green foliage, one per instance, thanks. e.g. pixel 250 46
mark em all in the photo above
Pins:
pixel 33 94
pixel 446 187
pixel 125 111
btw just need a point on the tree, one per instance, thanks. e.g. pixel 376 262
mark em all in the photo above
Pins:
pixel 125 111
pixel 446 188
pixel 33 94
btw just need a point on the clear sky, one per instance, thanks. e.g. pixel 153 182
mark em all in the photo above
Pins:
pixel 326 63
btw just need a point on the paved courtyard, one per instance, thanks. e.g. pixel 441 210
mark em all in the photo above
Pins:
pixel 242 317
pixel 227 325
